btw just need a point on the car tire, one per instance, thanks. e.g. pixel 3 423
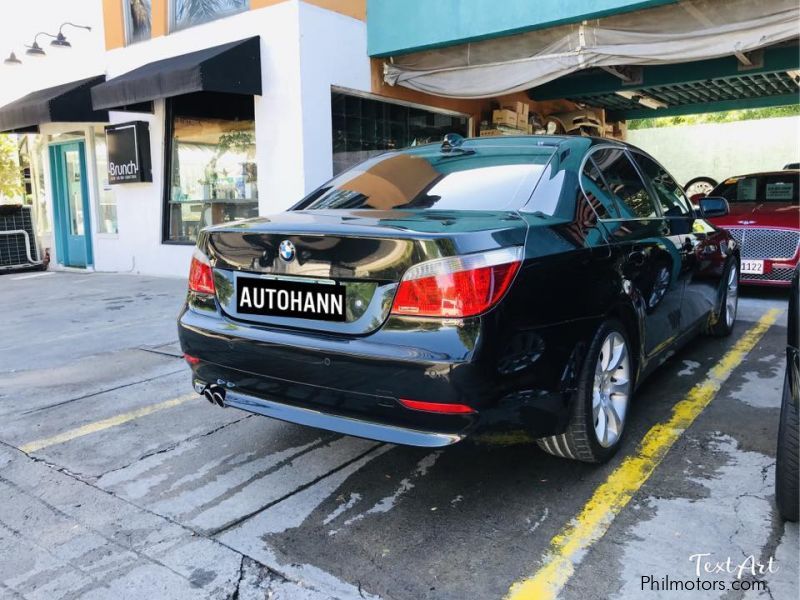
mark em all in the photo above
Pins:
pixel 787 495
pixel 592 400
pixel 722 324
pixel 699 185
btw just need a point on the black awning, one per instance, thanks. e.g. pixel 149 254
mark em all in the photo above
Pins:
pixel 234 68
pixel 67 103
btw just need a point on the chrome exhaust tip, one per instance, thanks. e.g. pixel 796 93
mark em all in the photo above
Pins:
pixel 215 394
pixel 219 397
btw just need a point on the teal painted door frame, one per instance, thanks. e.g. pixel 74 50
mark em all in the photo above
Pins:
pixel 72 225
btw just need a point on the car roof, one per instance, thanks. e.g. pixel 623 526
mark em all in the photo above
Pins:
pixel 553 141
pixel 762 174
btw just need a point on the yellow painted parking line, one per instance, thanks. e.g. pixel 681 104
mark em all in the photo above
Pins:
pixel 104 424
pixel 569 545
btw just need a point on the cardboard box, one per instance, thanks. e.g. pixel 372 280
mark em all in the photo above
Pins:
pixel 522 122
pixel 521 108
pixel 517 107
pixel 504 116
pixel 490 132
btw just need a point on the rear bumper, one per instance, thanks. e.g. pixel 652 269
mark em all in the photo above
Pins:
pixel 353 385
pixel 776 283
pixel 340 424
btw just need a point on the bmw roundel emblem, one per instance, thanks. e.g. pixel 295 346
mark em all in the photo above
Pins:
pixel 286 250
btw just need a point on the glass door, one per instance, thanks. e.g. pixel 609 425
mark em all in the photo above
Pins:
pixel 71 204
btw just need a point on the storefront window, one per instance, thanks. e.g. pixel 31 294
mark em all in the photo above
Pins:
pixel 212 163
pixel 31 156
pixel 106 201
pixel 364 127
pixel 138 15
pixel 187 13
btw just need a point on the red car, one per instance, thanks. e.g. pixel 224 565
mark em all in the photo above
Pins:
pixel 764 219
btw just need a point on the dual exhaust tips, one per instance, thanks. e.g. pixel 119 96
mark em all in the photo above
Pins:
pixel 215 394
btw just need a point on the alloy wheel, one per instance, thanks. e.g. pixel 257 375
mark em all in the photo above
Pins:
pixel 611 390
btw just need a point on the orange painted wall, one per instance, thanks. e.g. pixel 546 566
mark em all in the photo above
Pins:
pixel 352 8
pixel 114 20
pixel 159 24
pixel 113 24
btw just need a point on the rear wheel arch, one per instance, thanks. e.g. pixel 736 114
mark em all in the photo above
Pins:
pixel 715 325
pixel 735 258
pixel 588 437
pixel 626 314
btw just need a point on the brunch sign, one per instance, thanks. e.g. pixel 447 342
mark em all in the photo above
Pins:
pixel 128 152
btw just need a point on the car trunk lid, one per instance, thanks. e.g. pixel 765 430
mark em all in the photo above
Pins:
pixel 365 251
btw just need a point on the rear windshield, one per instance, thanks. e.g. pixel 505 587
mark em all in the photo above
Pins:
pixel 479 178
pixel 777 187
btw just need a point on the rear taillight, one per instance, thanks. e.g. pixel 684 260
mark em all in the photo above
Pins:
pixel 442 408
pixel 201 278
pixel 458 286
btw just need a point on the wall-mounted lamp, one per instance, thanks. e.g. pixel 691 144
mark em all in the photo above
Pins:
pixel 35 50
pixel 12 60
pixel 61 40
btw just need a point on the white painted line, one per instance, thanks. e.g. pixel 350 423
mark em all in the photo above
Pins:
pixel 32 275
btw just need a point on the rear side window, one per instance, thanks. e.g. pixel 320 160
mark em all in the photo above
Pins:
pixel 669 194
pixel 596 192
pixel 622 184
pixel 482 177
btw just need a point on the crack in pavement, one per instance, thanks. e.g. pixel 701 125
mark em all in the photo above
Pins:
pixel 305 486
pixel 161 352
pixel 97 532
pixel 98 393
pixel 234 489
pixel 275 574
pixel 235 595
pixel 170 447
pixel 144 509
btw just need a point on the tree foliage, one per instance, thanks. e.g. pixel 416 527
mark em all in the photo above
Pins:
pixel 717 117
pixel 10 180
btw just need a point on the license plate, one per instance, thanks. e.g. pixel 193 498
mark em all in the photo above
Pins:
pixel 281 298
pixel 752 267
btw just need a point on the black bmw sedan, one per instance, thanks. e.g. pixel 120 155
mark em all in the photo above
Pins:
pixel 426 294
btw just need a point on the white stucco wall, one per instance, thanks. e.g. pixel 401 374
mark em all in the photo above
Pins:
pixel 720 150
pixel 333 53
pixel 304 51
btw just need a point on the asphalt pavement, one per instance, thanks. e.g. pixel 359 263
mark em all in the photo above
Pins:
pixel 116 481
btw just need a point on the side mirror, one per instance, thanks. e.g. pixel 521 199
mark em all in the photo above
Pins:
pixel 713 206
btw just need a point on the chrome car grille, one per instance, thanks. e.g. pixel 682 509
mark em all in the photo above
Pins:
pixel 766 243
pixel 776 275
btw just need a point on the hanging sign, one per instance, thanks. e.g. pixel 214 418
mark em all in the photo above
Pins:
pixel 128 147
